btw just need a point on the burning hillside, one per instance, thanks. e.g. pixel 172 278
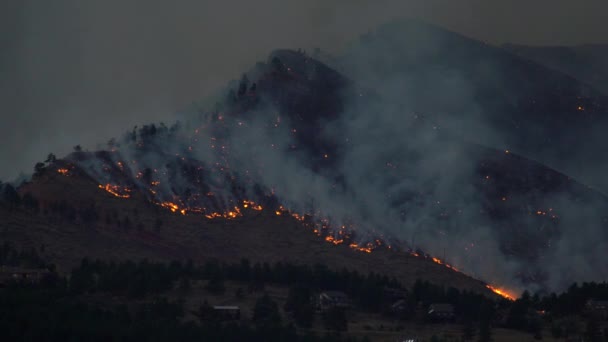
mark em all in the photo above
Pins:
pixel 296 139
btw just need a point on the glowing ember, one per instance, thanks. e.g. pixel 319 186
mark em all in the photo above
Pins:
pixel 360 249
pixel 63 171
pixel 121 192
pixel 298 217
pixel 252 205
pixel 232 214
pixel 173 207
pixel 333 240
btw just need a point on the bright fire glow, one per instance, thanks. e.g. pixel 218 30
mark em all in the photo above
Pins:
pixel 331 239
pixel 118 191
pixel 173 207
pixel 252 205
pixel 501 292
pixel 360 249
pixel 63 171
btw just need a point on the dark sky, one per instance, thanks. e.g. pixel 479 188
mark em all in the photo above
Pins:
pixel 78 72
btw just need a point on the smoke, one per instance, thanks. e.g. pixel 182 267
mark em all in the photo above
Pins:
pixel 76 72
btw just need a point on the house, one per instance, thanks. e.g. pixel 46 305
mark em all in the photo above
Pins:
pixel 227 312
pixel 399 307
pixel 333 299
pixel 22 275
pixel 598 308
pixel 440 311
pixel 394 294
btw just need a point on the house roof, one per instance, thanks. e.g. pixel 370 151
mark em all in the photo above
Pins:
pixel 11 269
pixel 441 307
pixel 398 303
pixel 594 302
pixel 225 307
pixel 335 294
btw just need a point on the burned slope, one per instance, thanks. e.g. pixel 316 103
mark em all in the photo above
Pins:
pixel 132 229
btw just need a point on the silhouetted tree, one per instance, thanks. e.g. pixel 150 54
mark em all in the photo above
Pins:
pixel 231 97
pixel 77 148
pixel 10 195
pixel 216 285
pixel 39 169
pixel 206 313
pixel 298 303
pixel 266 312
pixel 30 202
pixel 50 158
pixel 277 65
pixel 335 319
pixel 592 329
pixel 468 330
pixel 243 85
pixel 184 285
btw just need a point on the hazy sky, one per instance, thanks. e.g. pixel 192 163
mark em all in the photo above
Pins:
pixel 81 71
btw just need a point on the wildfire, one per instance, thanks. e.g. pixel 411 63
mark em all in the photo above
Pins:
pixel 501 292
pixel 298 217
pixel 231 214
pixel 252 205
pixel 344 236
pixel 280 211
pixel 120 192
pixel 331 239
pixel 356 247
pixel 63 171
pixel 174 207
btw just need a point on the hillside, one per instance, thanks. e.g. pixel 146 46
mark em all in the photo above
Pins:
pixel 298 138
pixel 260 236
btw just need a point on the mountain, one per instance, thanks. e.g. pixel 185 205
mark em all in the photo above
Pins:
pixel 351 162
pixel 587 63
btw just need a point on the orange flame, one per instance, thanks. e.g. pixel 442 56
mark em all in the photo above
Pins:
pixel 331 239
pixel 116 190
pixel 63 171
pixel 360 249
pixel 173 207
pixel 501 292
pixel 252 205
